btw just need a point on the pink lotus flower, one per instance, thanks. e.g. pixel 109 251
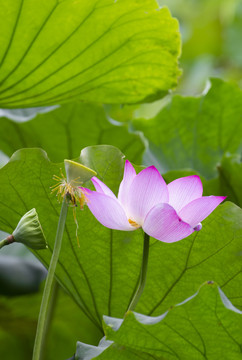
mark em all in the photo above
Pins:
pixel 166 212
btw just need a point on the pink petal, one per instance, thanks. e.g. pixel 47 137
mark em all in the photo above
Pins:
pixel 163 223
pixel 182 191
pixel 107 210
pixel 129 175
pixel 197 210
pixel 147 190
pixel 101 187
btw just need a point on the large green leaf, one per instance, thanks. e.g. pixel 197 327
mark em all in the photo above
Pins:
pixel 205 326
pixel 102 273
pixel 195 132
pixel 85 271
pixel 97 50
pixel 66 130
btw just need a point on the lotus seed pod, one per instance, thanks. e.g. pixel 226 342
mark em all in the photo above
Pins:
pixel 29 231
pixel 76 173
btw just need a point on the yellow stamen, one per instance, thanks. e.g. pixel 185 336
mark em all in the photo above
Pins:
pixel 76 195
pixel 63 188
pixel 82 201
pixel 134 223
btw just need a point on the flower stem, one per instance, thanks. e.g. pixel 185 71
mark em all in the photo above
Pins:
pixel 143 273
pixel 3 243
pixel 41 327
pixel 49 318
pixel 7 241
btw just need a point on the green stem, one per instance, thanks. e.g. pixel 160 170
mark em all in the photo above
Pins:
pixel 49 317
pixel 143 273
pixel 41 328
pixel 3 243
pixel 7 241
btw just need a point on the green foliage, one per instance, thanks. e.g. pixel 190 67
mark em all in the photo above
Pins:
pixel 18 320
pixel 230 177
pixel 113 52
pixel 233 40
pixel 106 51
pixel 194 132
pixel 205 326
pixel 102 273
pixel 69 128
pixel 211 41
pixel 84 271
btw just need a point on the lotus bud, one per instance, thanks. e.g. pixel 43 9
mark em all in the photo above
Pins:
pixel 198 227
pixel 29 231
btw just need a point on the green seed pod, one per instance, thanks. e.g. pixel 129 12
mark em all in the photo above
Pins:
pixel 29 231
pixel 76 173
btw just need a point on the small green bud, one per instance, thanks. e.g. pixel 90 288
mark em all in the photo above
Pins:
pixel 29 231
pixel 76 173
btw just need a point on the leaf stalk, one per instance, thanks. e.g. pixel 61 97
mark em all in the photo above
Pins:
pixel 143 272
pixel 41 327
pixel 7 241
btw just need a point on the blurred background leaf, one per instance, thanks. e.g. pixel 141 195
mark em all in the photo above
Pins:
pixel 22 115
pixel 63 132
pixel 211 41
pixel 18 320
pixel 195 132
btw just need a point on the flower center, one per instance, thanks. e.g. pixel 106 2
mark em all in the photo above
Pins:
pixel 134 223
pixel 63 188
